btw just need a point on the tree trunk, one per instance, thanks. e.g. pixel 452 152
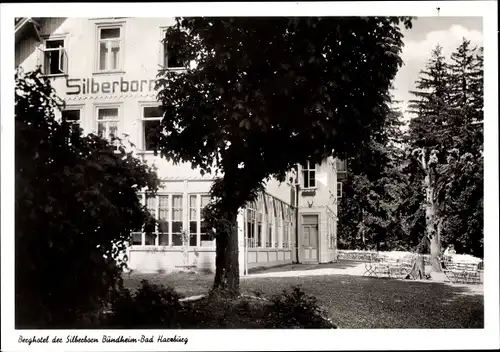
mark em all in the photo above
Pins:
pixel 431 222
pixel 363 229
pixel 227 273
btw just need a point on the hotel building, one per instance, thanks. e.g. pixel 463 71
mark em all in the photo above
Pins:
pixel 105 70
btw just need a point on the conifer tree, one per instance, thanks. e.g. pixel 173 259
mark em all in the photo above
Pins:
pixel 427 139
pixel 464 192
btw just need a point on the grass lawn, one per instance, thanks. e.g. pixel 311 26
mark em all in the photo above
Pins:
pixel 354 301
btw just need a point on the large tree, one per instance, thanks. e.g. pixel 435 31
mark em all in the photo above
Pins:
pixel 265 94
pixel 446 145
pixel 76 205
pixel 429 134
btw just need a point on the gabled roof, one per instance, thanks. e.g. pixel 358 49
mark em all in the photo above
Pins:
pixel 27 26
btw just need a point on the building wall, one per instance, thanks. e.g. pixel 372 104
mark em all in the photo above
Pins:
pixel 140 54
pixel 321 201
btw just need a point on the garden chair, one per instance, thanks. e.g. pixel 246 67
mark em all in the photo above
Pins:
pixel 370 265
pixel 405 266
pixel 382 267
pixel 467 273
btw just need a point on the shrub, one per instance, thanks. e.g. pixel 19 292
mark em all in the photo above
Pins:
pixel 151 306
pixel 76 203
pixel 157 307
pixel 295 309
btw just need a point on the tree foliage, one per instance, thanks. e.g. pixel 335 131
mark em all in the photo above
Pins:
pixel 369 208
pixel 76 205
pixel 447 109
pixel 265 94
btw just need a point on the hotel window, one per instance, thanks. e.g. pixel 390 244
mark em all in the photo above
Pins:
pixel 147 236
pixel 163 220
pixel 151 118
pixel 170 58
pixel 251 224
pixel 341 169
pixel 269 212
pixel 206 236
pixel 167 210
pixel 55 58
pixel 150 232
pixel 276 222
pixel 308 175
pixel 193 220
pixel 291 222
pixel 260 219
pixel 286 227
pixel 177 236
pixel 107 124
pixel 71 115
pixel 108 48
pixel 198 228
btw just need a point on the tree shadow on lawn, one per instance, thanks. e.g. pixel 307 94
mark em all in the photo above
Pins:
pixel 356 302
pixel 369 303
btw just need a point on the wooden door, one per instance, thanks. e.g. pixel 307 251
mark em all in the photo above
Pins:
pixel 310 238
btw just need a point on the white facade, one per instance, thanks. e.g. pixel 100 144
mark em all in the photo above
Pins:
pixel 105 70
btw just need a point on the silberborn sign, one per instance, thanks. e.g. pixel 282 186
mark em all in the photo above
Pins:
pixel 78 86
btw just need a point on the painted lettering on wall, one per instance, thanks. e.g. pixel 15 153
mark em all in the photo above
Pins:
pixel 90 86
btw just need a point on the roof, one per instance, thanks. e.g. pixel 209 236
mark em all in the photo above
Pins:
pixel 26 26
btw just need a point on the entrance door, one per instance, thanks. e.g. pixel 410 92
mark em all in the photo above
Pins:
pixel 310 237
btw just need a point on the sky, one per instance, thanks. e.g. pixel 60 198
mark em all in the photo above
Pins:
pixel 419 41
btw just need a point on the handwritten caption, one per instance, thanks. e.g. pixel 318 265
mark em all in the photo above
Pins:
pixel 104 339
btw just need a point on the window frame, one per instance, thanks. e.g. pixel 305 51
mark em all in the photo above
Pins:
pixel 119 119
pixel 198 218
pixel 63 52
pixel 251 219
pixel 161 60
pixel 143 119
pixel 309 170
pixel 98 40
pixel 79 108
pixel 182 220
pixel 342 171
pixel 170 217
pixel 339 189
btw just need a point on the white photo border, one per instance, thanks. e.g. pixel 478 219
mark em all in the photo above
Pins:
pixel 234 340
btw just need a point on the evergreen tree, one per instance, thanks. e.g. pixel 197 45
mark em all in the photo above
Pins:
pixel 431 106
pixel 368 210
pixel 464 193
pixel 428 138
pixel 466 86
pixel 446 147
